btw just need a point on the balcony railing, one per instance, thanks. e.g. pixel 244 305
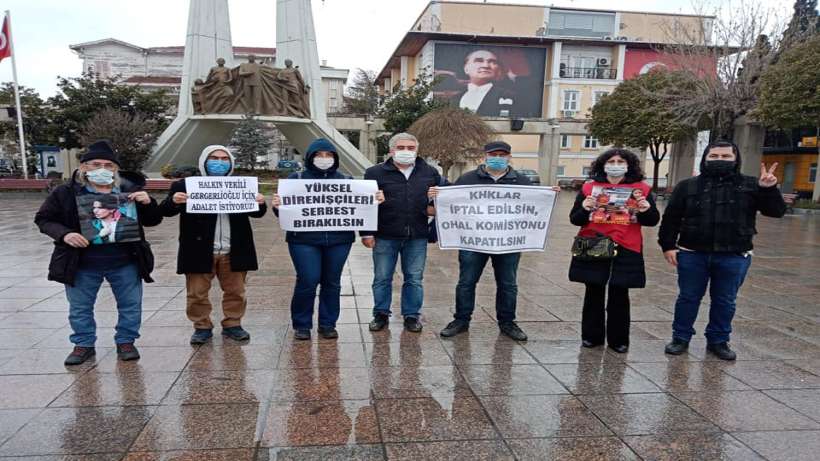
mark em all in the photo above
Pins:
pixel 598 73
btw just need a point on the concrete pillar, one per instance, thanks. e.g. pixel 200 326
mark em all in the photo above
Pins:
pixel 548 150
pixel 749 138
pixel 296 40
pixel 208 38
pixel 682 160
pixel 816 195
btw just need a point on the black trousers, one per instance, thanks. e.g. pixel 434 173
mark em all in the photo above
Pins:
pixel 595 327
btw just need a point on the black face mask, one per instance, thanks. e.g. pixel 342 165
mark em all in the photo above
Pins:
pixel 719 167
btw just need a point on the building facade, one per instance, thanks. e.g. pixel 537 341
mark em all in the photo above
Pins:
pixel 546 67
pixel 161 67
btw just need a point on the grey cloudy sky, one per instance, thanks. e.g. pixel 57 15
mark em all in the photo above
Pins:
pixel 350 33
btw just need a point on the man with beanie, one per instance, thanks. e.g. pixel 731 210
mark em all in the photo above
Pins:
pixel 82 265
pixel 707 232
pixel 403 230
pixel 495 170
pixel 214 245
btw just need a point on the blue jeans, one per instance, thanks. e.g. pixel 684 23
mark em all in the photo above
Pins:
pixel 317 264
pixel 724 273
pixel 127 287
pixel 470 266
pixel 413 257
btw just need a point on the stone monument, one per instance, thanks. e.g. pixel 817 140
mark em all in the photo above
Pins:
pixel 214 99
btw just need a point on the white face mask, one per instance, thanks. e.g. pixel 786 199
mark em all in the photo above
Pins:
pixel 616 171
pixel 405 157
pixel 323 163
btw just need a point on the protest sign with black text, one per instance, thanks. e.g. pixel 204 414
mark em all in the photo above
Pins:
pixel 494 219
pixel 328 205
pixel 214 194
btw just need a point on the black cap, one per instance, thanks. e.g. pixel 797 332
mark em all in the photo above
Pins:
pixel 100 150
pixel 497 145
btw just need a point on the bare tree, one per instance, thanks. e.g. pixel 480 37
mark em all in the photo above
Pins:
pixel 450 135
pixel 722 61
pixel 132 135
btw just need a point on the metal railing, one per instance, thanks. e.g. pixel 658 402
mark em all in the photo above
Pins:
pixel 598 73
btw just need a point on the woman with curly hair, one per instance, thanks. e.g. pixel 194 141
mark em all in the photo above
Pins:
pixel 616 173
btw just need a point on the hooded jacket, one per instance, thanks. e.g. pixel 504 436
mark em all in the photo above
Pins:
pixel 197 230
pixel 58 216
pixel 716 213
pixel 311 172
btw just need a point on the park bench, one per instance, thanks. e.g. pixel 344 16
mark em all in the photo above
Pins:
pixel 158 184
pixel 789 199
pixel 24 184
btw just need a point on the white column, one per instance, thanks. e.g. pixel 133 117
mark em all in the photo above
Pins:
pixel 296 40
pixel 554 96
pixel 208 38
pixel 621 59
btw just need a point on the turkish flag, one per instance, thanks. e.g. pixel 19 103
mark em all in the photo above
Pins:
pixel 5 40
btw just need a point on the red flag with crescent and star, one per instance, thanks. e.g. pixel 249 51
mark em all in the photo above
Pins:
pixel 5 40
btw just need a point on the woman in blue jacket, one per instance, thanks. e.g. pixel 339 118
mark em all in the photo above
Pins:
pixel 318 257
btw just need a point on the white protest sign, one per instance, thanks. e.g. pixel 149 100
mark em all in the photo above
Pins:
pixel 328 205
pixel 494 218
pixel 221 194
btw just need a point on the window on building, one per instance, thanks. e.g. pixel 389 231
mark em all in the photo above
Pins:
pixel 813 172
pixel 597 95
pixel 560 170
pixel 564 141
pixel 586 170
pixel 571 100
pixel 590 142
pixel 581 23
pixel 333 92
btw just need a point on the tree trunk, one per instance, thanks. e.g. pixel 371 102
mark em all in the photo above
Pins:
pixel 445 170
pixel 653 151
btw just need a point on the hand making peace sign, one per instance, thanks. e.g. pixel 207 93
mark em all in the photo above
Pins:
pixel 767 177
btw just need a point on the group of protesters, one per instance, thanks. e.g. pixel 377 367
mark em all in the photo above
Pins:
pixel 706 233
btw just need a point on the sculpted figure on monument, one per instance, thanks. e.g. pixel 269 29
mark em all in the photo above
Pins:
pixel 251 88
pixel 298 103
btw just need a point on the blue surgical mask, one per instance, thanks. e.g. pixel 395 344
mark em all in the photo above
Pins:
pixel 497 163
pixel 217 167
pixel 100 176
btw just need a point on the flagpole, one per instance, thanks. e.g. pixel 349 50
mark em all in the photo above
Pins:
pixel 17 97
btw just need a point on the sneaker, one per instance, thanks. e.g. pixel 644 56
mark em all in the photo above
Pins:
pixel 589 344
pixel 201 336
pixel 412 324
pixel 379 322
pixel 455 327
pixel 512 330
pixel 301 334
pixel 676 347
pixel 722 351
pixel 79 355
pixel 127 351
pixel 328 332
pixel 236 333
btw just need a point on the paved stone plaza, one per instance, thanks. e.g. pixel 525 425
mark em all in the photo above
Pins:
pixel 400 395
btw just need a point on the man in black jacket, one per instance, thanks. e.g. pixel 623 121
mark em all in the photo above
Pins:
pixel 405 180
pixel 495 170
pixel 82 265
pixel 706 233
pixel 214 245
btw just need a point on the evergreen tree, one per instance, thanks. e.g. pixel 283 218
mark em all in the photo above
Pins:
pixel 406 105
pixel 363 95
pixel 250 141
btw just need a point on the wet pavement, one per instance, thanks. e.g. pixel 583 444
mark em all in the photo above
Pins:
pixel 400 395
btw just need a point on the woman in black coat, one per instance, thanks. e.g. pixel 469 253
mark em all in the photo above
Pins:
pixel 615 203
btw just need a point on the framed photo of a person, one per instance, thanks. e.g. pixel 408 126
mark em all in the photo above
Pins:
pixel 108 218
pixel 492 81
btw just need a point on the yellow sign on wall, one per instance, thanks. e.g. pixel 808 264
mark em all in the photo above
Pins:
pixel 810 141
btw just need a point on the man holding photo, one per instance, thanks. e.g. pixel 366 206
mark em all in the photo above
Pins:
pixel 82 264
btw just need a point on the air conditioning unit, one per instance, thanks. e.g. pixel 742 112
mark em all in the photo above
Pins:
pixel 568 113
pixel 609 37
pixel 622 38
pixel 603 62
